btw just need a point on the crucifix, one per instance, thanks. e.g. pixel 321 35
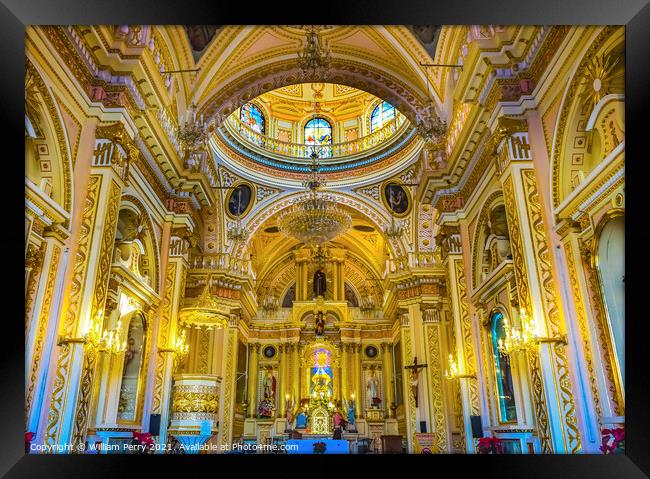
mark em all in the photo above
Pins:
pixel 414 370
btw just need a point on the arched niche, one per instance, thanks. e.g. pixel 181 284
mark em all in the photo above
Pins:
pixel 504 392
pixel 48 166
pixel 590 125
pixel 609 248
pixel 133 367
pixel 491 245
pixel 136 247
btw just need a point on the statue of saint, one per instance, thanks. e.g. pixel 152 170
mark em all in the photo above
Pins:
pixel 350 409
pixel 267 404
pixel 372 386
pixel 301 419
pixel 319 323
pixel 320 283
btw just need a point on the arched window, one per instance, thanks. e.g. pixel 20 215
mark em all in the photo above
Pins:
pixel 505 390
pixel 127 409
pixel 318 132
pixel 611 268
pixel 382 114
pixel 251 116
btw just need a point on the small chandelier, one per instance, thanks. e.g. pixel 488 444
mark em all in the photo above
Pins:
pixel 519 339
pixel 452 371
pixel 315 217
pixel 111 341
pixel 394 230
pixel 314 59
pixel 236 231
pixel 205 312
pixel 432 130
pixel 181 348
pixel 192 134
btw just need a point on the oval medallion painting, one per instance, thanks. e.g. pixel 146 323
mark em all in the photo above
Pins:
pixel 371 351
pixel 239 200
pixel 269 352
pixel 397 199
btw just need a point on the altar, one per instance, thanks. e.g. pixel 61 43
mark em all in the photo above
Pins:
pixel 317 446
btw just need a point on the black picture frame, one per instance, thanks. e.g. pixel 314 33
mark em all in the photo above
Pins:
pixel 634 14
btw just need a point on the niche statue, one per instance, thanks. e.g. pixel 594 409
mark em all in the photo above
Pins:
pixel 320 283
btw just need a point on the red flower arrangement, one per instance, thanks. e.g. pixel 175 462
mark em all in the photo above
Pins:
pixel 28 440
pixel 144 439
pixel 489 445
pixel 613 441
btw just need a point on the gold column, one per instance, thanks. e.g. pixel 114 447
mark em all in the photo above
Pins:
pixel 253 351
pixel 47 295
pixel 82 323
pixel 282 374
pixel 434 335
pixel 229 374
pixel 538 292
pixel 356 360
pixel 295 372
pixel 387 360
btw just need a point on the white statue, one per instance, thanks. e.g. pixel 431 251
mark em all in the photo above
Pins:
pixel 372 386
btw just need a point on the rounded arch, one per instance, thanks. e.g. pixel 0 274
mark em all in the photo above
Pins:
pixel 608 256
pixel 150 262
pixel 136 331
pixel 382 113
pixel 378 218
pixel 488 233
pixel 386 85
pixel 321 126
pixel 248 115
pixel 503 374
pixel 48 162
pixel 572 154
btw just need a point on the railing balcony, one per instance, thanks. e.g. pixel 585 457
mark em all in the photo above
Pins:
pixel 300 152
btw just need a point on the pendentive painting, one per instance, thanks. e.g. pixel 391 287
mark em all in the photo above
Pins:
pixel 324 239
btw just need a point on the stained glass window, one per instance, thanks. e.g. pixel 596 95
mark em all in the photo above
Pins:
pixel 505 389
pixel 382 114
pixel 318 132
pixel 252 117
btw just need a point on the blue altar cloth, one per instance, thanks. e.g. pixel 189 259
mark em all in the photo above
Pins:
pixel 306 446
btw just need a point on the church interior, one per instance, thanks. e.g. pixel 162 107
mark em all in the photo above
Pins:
pixel 319 238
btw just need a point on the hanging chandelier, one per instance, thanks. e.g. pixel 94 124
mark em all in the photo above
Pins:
pixel 315 217
pixel 314 60
pixel 192 135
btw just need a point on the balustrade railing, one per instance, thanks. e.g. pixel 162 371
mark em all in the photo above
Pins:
pixel 223 262
pixel 304 150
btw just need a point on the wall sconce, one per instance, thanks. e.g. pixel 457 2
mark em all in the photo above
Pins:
pixel 524 338
pixel 452 372
pixel 111 340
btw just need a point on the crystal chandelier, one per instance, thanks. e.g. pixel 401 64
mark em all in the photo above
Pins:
pixel 315 217
pixel 192 135
pixel 394 230
pixel 432 130
pixel 519 339
pixel 314 59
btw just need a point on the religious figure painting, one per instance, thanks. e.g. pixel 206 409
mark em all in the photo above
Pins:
pixel 239 200
pixel 267 404
pixel 397 199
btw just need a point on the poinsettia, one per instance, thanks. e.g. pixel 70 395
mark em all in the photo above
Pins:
pixel 29 436
pixel 489 445
pixel 144 438
pixel 320 447
pixel 613 441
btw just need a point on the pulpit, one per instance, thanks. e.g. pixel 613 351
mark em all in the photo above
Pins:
pixel 391 444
